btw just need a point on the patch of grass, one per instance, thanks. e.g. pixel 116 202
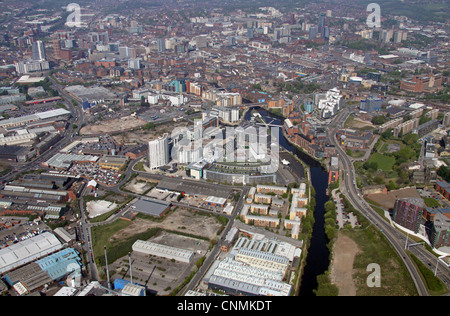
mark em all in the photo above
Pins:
pixel 356 153
pixel 374 248
pixel 115 248
pixel 385 163
pixel 101 235
pixel 430 202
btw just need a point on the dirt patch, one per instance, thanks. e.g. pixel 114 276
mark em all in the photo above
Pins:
pixel 139 187
pixel 110 126
pixel 344 253
pixel 144 136
pixel 360 124
pixel 388 200
pixel 180 220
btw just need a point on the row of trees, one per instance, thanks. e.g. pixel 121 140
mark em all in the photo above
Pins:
pixel 325 287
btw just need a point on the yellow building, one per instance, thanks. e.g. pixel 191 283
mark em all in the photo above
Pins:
pixel 113 162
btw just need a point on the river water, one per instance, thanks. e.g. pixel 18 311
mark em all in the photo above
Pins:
pixel 317 261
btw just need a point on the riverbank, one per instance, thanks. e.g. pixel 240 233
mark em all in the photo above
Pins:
pixel 315 255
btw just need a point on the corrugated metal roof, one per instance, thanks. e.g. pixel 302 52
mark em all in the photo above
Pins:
pixel 27 250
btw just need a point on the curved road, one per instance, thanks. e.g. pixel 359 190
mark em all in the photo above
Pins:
pixel 396 238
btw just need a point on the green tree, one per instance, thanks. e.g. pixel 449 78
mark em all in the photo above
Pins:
pixel 444 172
pixel 149 126
pixel 410 139
pixel 391 186
pixel 379 120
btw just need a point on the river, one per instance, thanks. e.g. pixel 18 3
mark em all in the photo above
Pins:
pixel 317 261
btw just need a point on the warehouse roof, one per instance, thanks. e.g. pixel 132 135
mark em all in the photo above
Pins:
pixel 150 206
pixel 216 200
pixel 150 247
pixel 28 250
pixel 64 161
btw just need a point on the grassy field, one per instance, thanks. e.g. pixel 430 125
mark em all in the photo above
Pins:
pixel 116 248
pixel 385 163
pixel 395 279
pixel 101 235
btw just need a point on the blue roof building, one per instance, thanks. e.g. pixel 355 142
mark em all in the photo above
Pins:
pixel 62 263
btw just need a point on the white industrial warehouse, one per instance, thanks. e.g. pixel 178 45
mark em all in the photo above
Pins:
pixel 255 266
pixel 150 248
pixel 28 250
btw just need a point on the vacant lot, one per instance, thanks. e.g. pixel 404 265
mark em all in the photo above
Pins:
pixel 159 274
pixel 99 207
pixel 120 235
pixel 344 252
pixel 180 228
pixel 374 248
pixel 356 123
pixel 142 136
pixel 388 200
pixel 112 126
pixel 139 187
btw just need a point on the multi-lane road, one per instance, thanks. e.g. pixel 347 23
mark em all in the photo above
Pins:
pixel 396 238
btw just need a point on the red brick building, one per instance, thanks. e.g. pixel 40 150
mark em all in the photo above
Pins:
pixel 443 187
pixel 423 83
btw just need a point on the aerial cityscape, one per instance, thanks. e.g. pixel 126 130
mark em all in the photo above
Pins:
pixel 224 149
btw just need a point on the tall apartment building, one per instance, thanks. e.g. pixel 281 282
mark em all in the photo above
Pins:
pixel 29 66
pixel 56 48
pixel 158 152
pixel 390 125
pixel 386 35
pixel 406 127
pixel 38 51
pixel 161 45
pixel 371 104
pixel 400 36
pixel 228 114
pixel 440 231
pixel 127 52
pixel 321 24
pixel 331 103
pixel 223 99
pixel 409 213
pixel 446 120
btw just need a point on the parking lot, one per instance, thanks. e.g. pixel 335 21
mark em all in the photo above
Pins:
pixel 433 194
pixel 192 188
pixel 342 217
pixel 102 145
pixel 21 229
pixel 93 171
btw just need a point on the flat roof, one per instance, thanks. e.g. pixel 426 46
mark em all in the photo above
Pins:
pixel 150 206
pixel 389 56
pixel 65 160
pixel 113 159
pixel 189 188
pixel 28 250
pixel 28 79
pixel 151 247
pixel 34 117
pixel 217 200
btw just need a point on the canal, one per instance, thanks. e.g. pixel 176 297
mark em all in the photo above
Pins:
pixel 317 260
